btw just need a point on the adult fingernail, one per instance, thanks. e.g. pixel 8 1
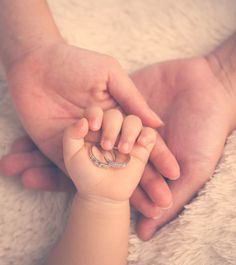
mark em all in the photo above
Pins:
pixel 160 121
pixel 168 207
pixel 158 215
pixel 150 232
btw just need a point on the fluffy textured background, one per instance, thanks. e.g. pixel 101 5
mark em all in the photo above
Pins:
pixel 137 33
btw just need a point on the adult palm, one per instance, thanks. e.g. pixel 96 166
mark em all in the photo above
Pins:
pixel 197 108
pixel 53 85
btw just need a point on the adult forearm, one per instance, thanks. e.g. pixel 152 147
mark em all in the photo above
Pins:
pixel 24 26
pixel 96 234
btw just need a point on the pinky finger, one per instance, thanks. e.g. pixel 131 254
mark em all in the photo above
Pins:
pixel 147 138
pixel 23 144
pixel 144 145
pixel 46 178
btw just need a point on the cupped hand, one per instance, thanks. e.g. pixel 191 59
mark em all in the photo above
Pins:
pixel 52 86
pixel 198 112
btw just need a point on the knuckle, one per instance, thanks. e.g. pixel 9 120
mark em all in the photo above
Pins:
pixel 109 135
pixel 97 109
pixel 115 113
pixel 153 134
pixel 148 210
pixel 134 118
pixel 149 133
pixel 94 110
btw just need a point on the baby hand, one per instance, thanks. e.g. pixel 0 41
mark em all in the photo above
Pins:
pixel 135 143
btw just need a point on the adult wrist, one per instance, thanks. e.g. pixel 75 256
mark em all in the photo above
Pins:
pixel 28 51
pixel 25 26
pixel 223 63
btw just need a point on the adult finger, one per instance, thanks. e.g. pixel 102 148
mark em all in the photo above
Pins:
pixel 130 99
pixel 23 144
pixel 140 201
pixel 156 188
pixel 16 163
pixel 183 190
pixel 94 115
pixel 46 178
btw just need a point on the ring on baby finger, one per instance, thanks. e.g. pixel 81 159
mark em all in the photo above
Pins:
pixel 109 163
pixel 95 160
pixel 117 164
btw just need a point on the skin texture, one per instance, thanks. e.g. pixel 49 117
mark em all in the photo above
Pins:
pixel 198 110
pixel 49 95
pixel 92 181
pixel 199 113
pixel 195 100
pixel 52 83
pixel 62 86
pixel 101 204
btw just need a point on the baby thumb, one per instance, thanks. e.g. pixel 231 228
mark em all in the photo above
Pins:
pixel 73 139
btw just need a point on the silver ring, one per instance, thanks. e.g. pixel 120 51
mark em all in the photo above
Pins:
pixel 109 163
pixel 115 164
pixel 96 161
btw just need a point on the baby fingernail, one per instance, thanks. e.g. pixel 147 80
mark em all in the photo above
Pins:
pixel 79 123
pixel 106 144
pixel 125 147
pixel 95 124
pixel 143 140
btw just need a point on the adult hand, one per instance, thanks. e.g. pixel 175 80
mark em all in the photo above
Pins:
pixel 197 106
pixel 197 110
pixel 35 170
pixel 52 86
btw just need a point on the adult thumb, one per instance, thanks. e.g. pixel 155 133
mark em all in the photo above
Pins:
pixel 130 99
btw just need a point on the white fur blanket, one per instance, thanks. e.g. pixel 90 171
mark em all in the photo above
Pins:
pixel 137 33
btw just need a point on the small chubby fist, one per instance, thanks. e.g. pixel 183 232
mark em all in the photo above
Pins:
pixel 121 138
